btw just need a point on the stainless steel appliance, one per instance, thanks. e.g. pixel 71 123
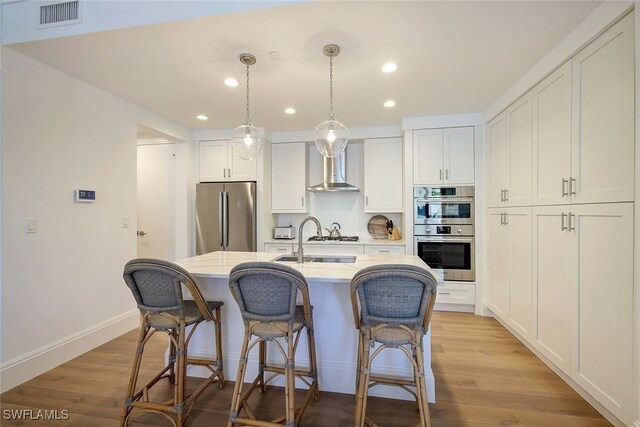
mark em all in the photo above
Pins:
pixel 443 205
pixel 444 232
pixel 286 233
pixel 333 239
pixel 335 178
pixel 225 217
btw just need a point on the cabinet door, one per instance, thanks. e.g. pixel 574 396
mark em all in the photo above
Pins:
pixel 428 157
pixel 552 282
pixel 520 133
pixel 519 252
pixel 288 178
pixel 603 269
pixel 603 117
pixel 459 156
pixel 213 161
pixel 383 190
pixel 240 169
pixel 498 159
pixel 551 100
pixel 498 264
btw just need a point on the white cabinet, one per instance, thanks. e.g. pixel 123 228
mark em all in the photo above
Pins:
pixel 602 265
pixel 220 162
pixel 281 248
pixel 383 175
pixel 456 293
pixel 602 168
pixel 337 249
pixel 511 293
pixel 289 178
pixel 509 138
pixel 443 156
pixel 552 281
pixel 583 276
pixel 551 100
pixel 384 249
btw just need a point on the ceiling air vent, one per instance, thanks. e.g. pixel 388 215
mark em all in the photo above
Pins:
pixel 55 14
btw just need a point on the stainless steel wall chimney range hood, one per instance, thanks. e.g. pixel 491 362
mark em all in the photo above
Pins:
pixel 334 175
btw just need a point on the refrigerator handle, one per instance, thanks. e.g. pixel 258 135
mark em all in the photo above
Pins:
pixel 221 219
pixel 226 219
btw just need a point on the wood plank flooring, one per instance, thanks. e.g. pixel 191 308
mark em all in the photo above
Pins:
pixel 484 377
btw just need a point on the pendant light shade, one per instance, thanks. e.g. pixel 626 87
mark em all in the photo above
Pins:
pixel 331 135
pixel 247 140
pixel 331 138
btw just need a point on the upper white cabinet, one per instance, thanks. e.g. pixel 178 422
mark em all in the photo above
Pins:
pixel 603 117
pixel 443 156
pixel 289 178
pixel 383 191
pixel 219 162
pixel 509 141
pixel 551 100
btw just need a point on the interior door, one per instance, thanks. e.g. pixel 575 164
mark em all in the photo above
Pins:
pixel 156 201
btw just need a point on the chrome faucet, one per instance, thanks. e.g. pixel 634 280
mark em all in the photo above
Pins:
pixel 300 250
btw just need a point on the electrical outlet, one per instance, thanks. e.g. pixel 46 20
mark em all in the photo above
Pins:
pixel 31 225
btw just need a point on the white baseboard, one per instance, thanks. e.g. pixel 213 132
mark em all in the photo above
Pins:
pixel 343 376
pixel 459 308
pixel 27 366
pixel 636 423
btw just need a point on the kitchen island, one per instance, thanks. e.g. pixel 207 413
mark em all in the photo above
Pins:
pixel 336 336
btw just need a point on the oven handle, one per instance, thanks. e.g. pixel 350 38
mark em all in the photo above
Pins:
pixel 444 239
pixel 445 200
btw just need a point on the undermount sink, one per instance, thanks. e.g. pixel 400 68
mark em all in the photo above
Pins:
pixel 320 258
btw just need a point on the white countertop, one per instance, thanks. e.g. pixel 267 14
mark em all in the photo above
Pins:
pixel 219 264
pixel 362 241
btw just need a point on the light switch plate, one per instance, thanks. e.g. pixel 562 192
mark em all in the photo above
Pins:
pixel 125 222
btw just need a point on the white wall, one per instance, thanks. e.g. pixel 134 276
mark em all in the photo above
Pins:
pixel 62 287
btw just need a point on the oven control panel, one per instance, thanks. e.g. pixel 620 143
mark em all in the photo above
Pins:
pixel 442 230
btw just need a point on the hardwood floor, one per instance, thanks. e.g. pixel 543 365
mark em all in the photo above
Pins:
pixel 484 377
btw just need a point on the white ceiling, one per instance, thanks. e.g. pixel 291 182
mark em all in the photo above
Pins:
pixel 453 57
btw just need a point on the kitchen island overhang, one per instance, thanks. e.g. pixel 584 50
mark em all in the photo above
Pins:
pixel 335 333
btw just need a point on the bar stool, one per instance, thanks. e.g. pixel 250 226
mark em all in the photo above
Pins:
pixel 392 306
pixel 156 287
pixel 266 294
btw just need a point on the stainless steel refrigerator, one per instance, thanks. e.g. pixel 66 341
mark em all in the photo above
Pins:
pixel 225 217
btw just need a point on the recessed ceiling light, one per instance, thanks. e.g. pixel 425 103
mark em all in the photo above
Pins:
pixel 202 117
pixel 390 103
pixel 389 67
pixel 290 110
pixel 231 82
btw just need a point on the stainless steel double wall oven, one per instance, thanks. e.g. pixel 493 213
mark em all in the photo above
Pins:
pixel 444 230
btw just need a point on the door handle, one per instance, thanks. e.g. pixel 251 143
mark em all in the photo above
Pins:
pixel 226 219
pixel 564 192
pixel 440 174
pixel 571 228
pixel 366 200
pixel 562 226
pixel 446 174
pixel 572 190
pixel 224 172
pixel 506 195
pixel 502 195
pixel 221 219
pixel 506 219
pixel 141 233
pixel 302 201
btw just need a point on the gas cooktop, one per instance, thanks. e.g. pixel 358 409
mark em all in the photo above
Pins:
pixel 333 239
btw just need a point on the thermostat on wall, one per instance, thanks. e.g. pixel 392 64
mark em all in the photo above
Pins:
pixel 85 195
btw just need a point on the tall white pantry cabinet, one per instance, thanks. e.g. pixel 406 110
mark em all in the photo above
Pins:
pixel 560 218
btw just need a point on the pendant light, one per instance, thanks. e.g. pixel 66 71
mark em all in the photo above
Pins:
pixel 331 135
pixel 247 139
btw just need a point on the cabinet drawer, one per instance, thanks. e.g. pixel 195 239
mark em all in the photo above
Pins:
pixel 384 249
pixel 333 249
pixel 281 248
pixel 451 293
